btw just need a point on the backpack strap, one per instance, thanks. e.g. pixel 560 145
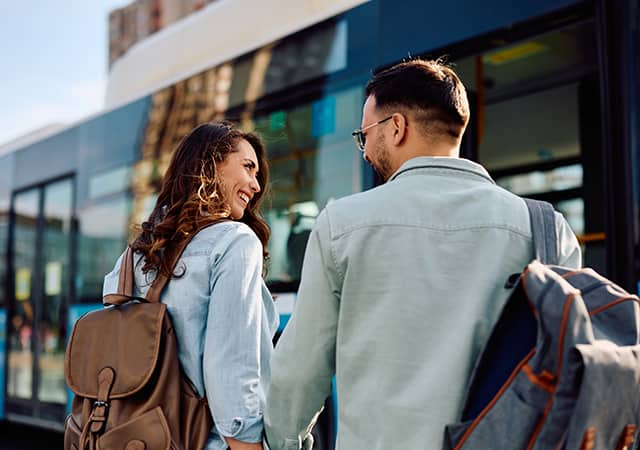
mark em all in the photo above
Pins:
pixel 158 284
pixel 543 230
pixel 126 275
pixel 124 293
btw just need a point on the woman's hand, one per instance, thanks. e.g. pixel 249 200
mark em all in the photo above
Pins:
pixel 234 444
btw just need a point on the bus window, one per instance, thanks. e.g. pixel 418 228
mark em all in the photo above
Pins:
pixel 313 160
pixel 22 320
pixel 58 203
pixel 102 238
pixel 530 124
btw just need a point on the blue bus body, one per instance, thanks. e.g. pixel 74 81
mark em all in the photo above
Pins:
pixel 553 88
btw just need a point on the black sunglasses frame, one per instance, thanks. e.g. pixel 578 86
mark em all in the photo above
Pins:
pixel 359 135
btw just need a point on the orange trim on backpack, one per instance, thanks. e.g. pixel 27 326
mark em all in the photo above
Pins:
pixel 563 325
pixel 614 303
pixel 627 437
pixel 538 428
pixel 588 439
pixel 493 401
pixel 546 380
pixel 570 274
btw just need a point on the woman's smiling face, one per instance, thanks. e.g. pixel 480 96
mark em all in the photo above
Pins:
pixel 239 178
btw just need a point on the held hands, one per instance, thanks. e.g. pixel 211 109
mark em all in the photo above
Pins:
pixel 234 444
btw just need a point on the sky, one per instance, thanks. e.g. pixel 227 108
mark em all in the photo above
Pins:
pixel 53 62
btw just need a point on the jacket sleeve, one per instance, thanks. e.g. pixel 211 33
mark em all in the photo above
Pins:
pixel 303 363
pixel 570 254
pixel 232 352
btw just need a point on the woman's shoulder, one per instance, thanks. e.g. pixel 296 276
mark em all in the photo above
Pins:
pixel 229 228
pixel 224 234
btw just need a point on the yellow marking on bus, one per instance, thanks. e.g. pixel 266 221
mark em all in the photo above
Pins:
pixel 514 53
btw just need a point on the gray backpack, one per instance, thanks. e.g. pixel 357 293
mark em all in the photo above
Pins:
pixel 561 369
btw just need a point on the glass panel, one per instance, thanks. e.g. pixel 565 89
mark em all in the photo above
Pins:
pixel 558 179
pixel 532 129
pixel 58 203
pixel 102 238
pixel 539 57
pixel 20 367
pixel 321 50
pixel 4 239
pixel 309 54
pixel 313 160
pixel 110 182
pixel 6 181
pixel 528 113
pixel 573 211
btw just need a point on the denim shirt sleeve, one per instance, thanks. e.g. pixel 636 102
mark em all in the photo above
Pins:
pixel 570 254
pixel 231 362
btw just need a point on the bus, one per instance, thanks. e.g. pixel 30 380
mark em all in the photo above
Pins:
pixel 553 86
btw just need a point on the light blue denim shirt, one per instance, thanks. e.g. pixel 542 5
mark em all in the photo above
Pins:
pixel 225 320
pixel 400 287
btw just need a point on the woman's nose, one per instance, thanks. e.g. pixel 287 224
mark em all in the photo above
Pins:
pixel 254 185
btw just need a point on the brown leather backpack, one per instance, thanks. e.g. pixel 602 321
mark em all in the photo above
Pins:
pixel 122 364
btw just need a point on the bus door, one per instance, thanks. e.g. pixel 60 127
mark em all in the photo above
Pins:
pixel 537 126
pixel 39 291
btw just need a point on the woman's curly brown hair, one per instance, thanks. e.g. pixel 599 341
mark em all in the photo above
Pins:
pixel 191 196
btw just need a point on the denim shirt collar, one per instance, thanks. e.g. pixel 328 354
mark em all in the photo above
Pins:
pixel 447 163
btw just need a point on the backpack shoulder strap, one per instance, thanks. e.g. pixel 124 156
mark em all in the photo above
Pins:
pixel 127 275
pixel 173 253
pixel 158 284
pixel 124 293
pixel 543 229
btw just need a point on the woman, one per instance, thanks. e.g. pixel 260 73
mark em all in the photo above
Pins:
pixel 222 312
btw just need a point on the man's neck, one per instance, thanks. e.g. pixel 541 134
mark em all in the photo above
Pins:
pixel 425 149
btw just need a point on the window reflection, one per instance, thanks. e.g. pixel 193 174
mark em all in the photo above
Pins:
pixel 318 51
pixel 302 217
pixel 109 182
pixel 20 363
pixel 313 160
pixel 102 238
pixel 4 235
pixel 58 201
pixel 558 179
pixel 573 211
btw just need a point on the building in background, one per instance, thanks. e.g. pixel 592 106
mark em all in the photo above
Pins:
pixel 142 18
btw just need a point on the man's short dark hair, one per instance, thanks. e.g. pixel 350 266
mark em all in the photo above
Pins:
pixel 429 89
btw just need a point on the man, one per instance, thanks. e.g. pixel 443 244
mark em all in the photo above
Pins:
pixel 402 283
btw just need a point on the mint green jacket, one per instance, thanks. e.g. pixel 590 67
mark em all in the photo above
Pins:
pixel 400 287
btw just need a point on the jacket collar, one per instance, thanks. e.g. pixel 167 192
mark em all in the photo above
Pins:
pixel 430 162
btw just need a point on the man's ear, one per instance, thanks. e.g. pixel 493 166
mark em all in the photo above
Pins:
pixel 399 123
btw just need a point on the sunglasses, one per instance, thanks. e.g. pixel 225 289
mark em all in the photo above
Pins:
pixel 359 135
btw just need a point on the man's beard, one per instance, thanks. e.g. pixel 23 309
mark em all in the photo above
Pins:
pixel 381 164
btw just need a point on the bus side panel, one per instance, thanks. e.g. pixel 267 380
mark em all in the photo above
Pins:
pixel 450 22
pixel 3 357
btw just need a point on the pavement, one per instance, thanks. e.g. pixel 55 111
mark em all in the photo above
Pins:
pixel 17 437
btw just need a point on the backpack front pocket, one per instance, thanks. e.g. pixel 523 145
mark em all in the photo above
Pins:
pixel 72 433
pixel 149 431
